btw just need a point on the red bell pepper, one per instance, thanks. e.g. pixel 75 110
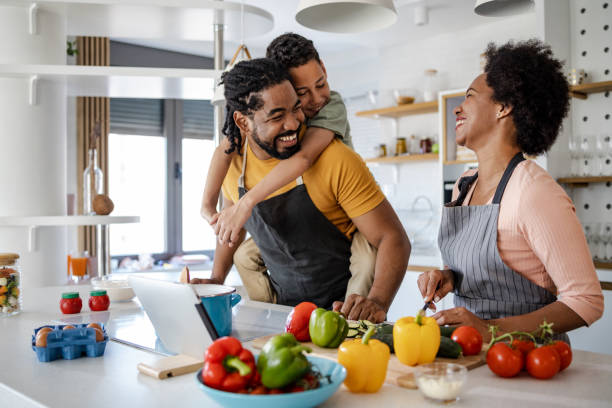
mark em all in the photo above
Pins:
pixel 298 319
pixel 228 366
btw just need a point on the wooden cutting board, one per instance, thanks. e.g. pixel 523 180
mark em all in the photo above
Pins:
pixel 398 374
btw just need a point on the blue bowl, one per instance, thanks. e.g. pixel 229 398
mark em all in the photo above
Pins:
pixel 305 399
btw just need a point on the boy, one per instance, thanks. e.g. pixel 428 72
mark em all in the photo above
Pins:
pixel 326 119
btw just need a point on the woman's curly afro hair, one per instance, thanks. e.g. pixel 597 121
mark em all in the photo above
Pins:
pixel 526 76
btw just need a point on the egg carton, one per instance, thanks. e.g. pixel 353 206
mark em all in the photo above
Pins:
pixel 70 344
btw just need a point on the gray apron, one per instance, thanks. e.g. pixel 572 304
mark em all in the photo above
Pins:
pixel 306 255
pixel 484 284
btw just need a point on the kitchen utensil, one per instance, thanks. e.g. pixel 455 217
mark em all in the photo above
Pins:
pixel 309 398
pixel 218 301
pixel 398 374
pixel 440 382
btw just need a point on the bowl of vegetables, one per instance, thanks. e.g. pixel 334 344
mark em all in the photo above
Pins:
pixel 328 373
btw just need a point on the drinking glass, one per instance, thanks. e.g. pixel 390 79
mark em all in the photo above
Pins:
pixel 575 153
pixel 607 148
pixel 601 152
pixel 587 148
pixel 78 266
pixel 606 242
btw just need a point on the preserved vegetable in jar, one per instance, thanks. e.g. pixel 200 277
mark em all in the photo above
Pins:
pixel 10 292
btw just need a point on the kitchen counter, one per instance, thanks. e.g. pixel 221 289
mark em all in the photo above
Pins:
pixel 113 380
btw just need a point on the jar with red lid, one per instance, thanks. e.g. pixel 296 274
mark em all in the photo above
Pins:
pixel 71 303
pixel 98 300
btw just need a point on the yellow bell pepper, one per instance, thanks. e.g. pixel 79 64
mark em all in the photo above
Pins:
pixel 365 361
pixel 416 339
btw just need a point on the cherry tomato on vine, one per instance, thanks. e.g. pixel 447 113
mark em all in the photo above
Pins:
pixel 525 346
pixel 565 353
pixel 469 339
pixel 504 360
pixel 543 362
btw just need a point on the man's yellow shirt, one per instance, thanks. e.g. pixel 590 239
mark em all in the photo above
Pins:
pixel 339 183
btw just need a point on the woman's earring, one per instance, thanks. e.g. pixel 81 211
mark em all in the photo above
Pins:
pixel 498 114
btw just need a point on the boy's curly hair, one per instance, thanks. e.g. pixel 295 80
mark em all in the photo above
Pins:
pixel 292 50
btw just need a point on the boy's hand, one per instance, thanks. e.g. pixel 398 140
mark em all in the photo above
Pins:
pixel 231 221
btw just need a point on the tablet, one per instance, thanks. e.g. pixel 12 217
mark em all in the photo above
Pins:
pixel 176 311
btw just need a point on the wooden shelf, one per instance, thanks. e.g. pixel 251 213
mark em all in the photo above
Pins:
pixel 584 181
pixel 121 82
pixel 581 91
pixel 404 158
pixel 602 265
pixel 401 110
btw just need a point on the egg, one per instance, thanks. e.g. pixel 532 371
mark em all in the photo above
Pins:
pixel 99 335
pixel 68 327
pixel 94 326
pixel 41 336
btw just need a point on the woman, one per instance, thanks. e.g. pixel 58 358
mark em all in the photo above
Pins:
pixel 511 240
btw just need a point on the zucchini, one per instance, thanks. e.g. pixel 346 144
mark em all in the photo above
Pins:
pixel 447 331
pixel 353 324
pixel 384 333
pixel 448 348
pixel 352 333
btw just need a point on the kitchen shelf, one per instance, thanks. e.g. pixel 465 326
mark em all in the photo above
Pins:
pixel 120 82
pixel 602 265
pixel 584 181
pixel 62 220
pixel 582 91
pixel 188 20
pixel 404 158
pixel 401 110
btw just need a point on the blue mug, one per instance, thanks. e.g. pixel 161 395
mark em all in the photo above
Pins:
pixel 218 301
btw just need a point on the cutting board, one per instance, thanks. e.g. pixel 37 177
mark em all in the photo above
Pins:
pixel 398 374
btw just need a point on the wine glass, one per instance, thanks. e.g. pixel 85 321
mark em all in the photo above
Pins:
pixel 587 148
pixel 607 148
pixel 601 152
pixel 574 150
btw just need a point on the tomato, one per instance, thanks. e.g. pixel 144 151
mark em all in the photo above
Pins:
pixel 504 360
pixel 543 362
pixel 565 353
pixel 525 346
pixel 298 319
pixel 469 339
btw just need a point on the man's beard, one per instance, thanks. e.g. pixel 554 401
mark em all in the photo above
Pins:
pixel 271 149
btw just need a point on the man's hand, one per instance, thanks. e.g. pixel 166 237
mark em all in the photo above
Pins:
pixel 460 316
pixel 198 281
pixel 356 307
pixel 230 222
pixel 435 284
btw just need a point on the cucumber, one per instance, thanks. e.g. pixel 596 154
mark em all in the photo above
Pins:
pixel 448 348
pixel 447 331
pixel 352 333
pixel 353 325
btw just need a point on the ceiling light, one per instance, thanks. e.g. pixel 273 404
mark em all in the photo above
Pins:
pixel 420 15
pixel 348 16
pixel 501 8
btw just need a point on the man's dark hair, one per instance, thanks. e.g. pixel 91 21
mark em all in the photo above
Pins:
pixel 526 76
pixel 243 86
pixel 292 50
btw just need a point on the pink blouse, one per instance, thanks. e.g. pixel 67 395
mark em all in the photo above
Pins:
pixel 540 237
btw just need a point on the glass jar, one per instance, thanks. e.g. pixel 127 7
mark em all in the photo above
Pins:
pixel 430 90
pixel 400 146
pixel 10 290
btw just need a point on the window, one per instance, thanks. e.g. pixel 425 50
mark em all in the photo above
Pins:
pixel 159 154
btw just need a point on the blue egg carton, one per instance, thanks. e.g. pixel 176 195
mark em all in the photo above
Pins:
pixel 70 344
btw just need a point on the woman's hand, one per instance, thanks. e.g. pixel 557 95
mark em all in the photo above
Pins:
pixel 230 222
pixel 460 316
pixel 435 284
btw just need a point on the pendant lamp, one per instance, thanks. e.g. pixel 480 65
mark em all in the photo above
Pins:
pixel 501 8
pixel 346 16
pixel 241 54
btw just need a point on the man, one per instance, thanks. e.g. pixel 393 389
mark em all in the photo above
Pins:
pixel 304 230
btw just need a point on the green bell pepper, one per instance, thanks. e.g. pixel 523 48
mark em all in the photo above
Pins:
pixel 281 361
pixel 327 328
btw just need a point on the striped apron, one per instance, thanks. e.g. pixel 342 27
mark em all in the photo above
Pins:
pixel 484 284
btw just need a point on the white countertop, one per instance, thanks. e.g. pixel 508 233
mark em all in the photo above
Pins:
pixel 113 380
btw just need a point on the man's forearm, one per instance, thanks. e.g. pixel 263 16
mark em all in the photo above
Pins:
pixel 390 268
pixel 224 259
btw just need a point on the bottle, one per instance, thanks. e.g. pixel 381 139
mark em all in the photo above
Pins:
pixel 10 291
pixel 93 182
pixel 430 90
pixel 415 148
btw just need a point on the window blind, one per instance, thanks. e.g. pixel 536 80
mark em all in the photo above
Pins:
pixel 197 119
pixel 137 116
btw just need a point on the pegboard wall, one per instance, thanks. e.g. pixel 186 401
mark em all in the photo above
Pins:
pixel 591 50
